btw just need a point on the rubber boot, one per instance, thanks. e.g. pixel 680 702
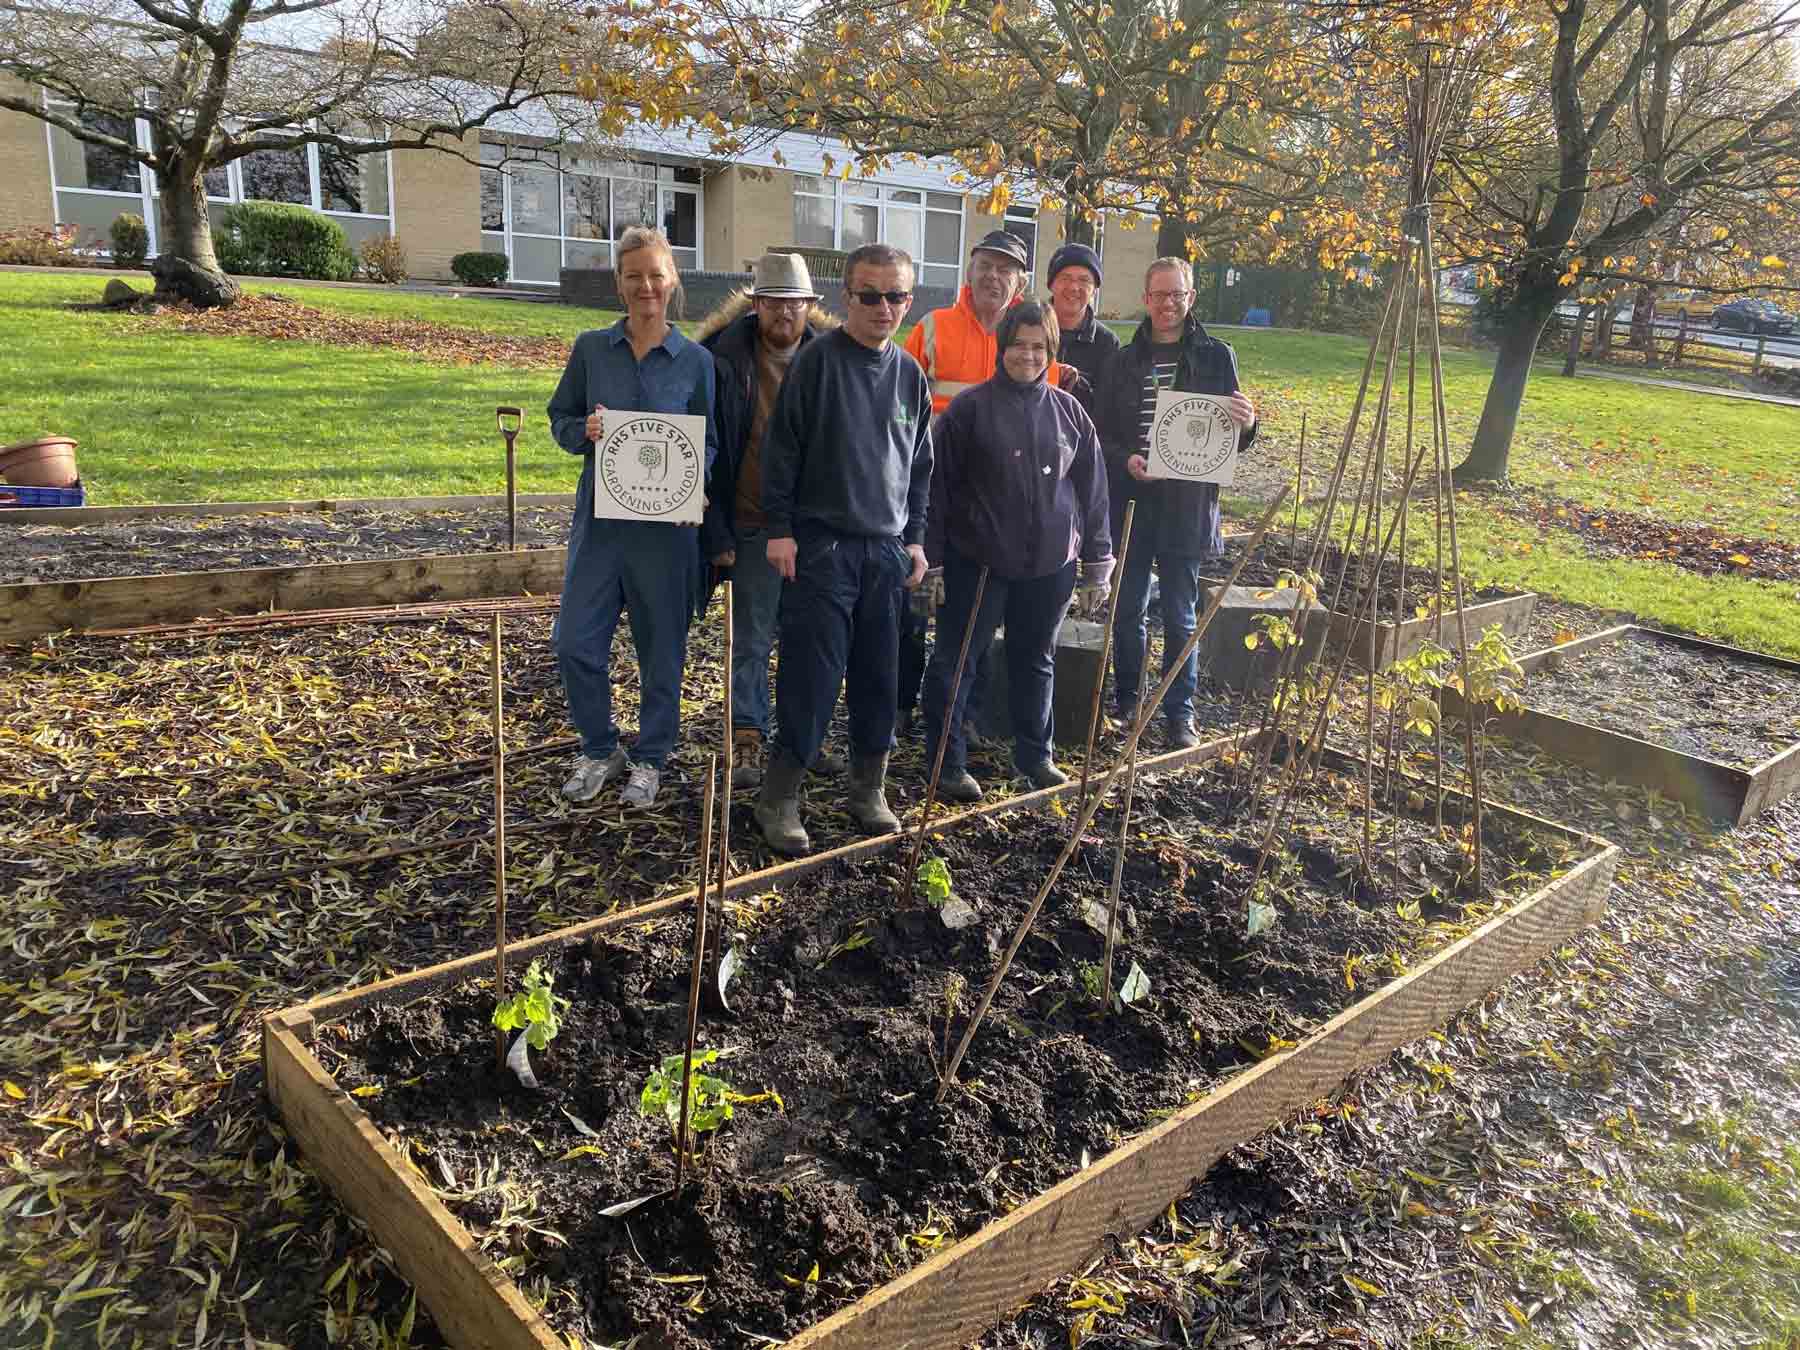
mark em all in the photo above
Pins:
pixel 778 805
pixel 866 800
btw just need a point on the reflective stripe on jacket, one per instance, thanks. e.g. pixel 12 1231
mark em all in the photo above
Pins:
pixel 956 352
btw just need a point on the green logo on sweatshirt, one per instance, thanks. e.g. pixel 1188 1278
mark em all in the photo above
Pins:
pixel 905 416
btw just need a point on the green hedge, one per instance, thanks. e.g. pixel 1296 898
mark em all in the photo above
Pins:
pixel 276 239
pixel 479 269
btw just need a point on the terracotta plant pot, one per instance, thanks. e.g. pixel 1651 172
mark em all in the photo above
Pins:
pixel 48 461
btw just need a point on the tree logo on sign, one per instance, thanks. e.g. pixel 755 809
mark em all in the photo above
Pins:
pixel 649 466
pixel 1195 437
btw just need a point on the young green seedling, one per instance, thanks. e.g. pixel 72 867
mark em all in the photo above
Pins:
pixel 536 1008
pixel 934 882
pixel 710 1099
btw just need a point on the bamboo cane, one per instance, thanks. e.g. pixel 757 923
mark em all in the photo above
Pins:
pixel 499 847
pixel 1086 817
pixel 1299 492
pixel 1112 613
pixel 1118 876
pixel 693 1017
pixel 944 733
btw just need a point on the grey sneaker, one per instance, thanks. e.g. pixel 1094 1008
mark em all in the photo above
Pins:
pixel 590 775
pixel 640 788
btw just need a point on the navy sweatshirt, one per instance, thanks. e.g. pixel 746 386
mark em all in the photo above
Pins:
pixel 849 446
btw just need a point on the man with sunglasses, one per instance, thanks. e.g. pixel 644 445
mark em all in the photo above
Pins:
pixel 846 468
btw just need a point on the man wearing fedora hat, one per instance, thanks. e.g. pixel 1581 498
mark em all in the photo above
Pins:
pixel 754 337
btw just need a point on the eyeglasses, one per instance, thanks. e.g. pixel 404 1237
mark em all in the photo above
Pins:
pixel 1167 297
pixel 874 298
pixel 784 306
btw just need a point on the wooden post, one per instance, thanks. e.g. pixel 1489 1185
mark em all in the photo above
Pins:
pixel 1106 638
pixel 1762 342
pixel 911 869
pixel 499 846
pixel 693 1018
pixel 730 755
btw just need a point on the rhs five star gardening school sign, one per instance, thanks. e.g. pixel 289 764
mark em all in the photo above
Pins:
pixel 651 466
pixel 1193 437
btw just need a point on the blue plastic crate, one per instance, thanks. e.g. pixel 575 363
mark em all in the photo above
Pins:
pixel 42 496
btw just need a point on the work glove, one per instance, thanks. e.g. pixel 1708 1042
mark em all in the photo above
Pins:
pixel 1094 586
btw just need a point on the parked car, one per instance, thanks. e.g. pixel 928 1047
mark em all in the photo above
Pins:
pixel 1754 316
pixel 1685 305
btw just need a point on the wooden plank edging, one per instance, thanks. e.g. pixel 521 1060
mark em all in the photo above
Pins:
pixel 31 609
pixel 942 1303
pixel 116 515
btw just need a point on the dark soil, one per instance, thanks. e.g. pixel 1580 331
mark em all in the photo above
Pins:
pixel 841 1011
pixel 207 543
pixel 1348 594
pixel 1688 699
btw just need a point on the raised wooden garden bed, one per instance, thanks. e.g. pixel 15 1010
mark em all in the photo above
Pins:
pixel 115 515
pixel 1731 792
pixel 31 609
pixel 951 1297
pixel 1396 641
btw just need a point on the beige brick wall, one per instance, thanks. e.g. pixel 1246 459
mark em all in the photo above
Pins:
pixel 24 168
pixel 760 212
pixel 437 207
pixel 1124 256
pixel 718 196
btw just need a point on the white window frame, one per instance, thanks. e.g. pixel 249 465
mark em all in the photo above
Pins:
pixel 884 202
pixel 650 173
pixel 146 196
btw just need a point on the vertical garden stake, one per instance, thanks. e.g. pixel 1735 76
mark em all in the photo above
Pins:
pixel 512 473
pixel 725 809
pixel 937 766
pixel 1299 491
pixel 1112 612
pixel 693 1020
pixel 499 848
pixel 1086 818
pixel 1118 876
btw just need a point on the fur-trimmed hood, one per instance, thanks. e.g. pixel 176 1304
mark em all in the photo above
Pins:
pixel 737 304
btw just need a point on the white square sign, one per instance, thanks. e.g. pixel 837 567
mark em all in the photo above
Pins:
pixel 1193 437
pixel 650 466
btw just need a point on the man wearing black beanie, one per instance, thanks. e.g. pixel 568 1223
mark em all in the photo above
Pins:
pixel 1087 344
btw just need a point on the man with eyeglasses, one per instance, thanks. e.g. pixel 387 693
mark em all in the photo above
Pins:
pixel 754 337
pixel 1177 523
pixel 846 470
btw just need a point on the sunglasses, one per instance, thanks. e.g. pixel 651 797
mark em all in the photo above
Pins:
pixel 874 298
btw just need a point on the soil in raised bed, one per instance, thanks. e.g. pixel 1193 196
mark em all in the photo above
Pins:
pixel 1698 702
pixel 1276 556
pixel 840 1009
pixel 161 545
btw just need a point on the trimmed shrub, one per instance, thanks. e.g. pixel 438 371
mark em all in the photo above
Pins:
pixel 53 247
pixel 479 269
pixel 277 239
pixel 384 260
pixel 130 240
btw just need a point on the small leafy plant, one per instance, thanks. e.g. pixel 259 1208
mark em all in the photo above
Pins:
pixel 1088 976
pixel 709 1098
pixel 536 1008
pixel 934 882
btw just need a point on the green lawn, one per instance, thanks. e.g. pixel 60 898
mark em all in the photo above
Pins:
pixel 168 417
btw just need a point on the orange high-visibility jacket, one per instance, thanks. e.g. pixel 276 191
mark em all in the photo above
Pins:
pixel 956 353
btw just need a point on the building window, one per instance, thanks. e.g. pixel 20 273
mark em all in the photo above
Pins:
pixel 354 184
pixel 96 168
pixel 547 211
pixel 274 175
pixel 841 214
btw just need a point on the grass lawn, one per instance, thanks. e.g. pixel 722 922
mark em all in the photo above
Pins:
pixel 165 416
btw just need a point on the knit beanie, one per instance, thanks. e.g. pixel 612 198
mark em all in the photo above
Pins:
pixel 1074 255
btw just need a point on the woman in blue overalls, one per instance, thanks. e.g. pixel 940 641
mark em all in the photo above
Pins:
pixel 646 568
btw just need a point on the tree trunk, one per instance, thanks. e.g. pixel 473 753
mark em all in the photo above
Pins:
pixel 186 268
pixel 1575 335
pixel 1173 237
pixel 1521 327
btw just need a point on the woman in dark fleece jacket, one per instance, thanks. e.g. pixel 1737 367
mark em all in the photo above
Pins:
pixel 1019 486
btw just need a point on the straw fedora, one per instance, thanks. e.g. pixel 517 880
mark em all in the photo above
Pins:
pixel 783 276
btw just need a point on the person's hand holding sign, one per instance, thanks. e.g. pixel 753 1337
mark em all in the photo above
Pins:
pixel 1243 411
pixel 593 423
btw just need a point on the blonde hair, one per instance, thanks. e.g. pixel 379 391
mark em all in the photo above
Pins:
pixel 1180 266
pixel 639 237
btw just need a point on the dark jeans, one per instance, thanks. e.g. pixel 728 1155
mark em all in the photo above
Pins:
pixel 755 602
pixel 1032 611
pixel 840 627
pixel 914 628
pixel 648 571
pixel 1179 599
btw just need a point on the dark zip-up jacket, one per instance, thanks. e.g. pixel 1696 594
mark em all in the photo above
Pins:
pixel 1177 519
pixel 1018 483
pixel 848 448
pixel 730 335
pixel 1089 346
